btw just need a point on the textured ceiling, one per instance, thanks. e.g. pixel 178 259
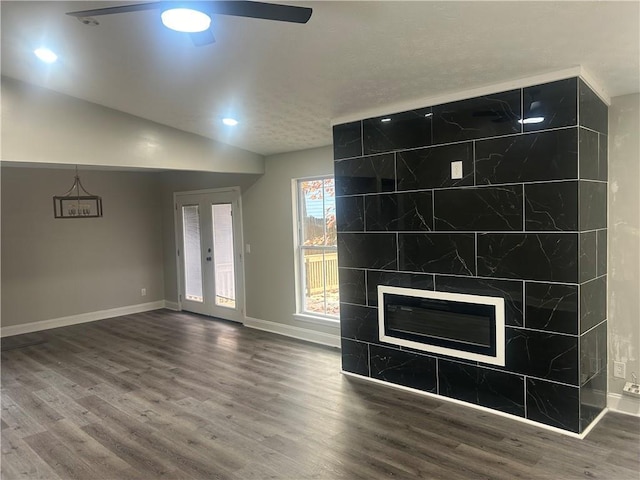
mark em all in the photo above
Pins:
pixel 285 82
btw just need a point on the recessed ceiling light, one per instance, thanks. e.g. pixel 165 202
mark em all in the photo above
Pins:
pixel 185 20
pixel 385 120
pixel 45 55
pixel 532 120
pixel 231 122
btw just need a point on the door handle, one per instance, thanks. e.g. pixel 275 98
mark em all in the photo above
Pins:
pixel 208 259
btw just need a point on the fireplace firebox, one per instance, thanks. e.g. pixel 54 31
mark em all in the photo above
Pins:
pixel 464 326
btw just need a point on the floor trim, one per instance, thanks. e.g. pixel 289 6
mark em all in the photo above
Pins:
pixel 80 318
pixel 294 332
pixel 479 407
pixel 623 404
pixel 172 305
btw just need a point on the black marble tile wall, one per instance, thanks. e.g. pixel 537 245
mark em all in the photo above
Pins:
pixel 437 253
pixel 553 404
pixel 355 357
pixel 551 206
pixel 593 303
pixel 431 167
pixel 351 217
pixel 403 368
pixel 412 211
pixel 533 157
pixel 420 281
pixel 555 103
pixel 603 161
pixel 593 398
pixel 588 256
pixel 362 323
pixel 365 175
pixel 479 209
pixel 593 352
pixel 549 356
pixel 589 154
pixel 526 221
pixel 367 250
pixel 593 205
pixel 488 388
pixel 593 112
pixel 531 256
pixel 510 290
pixel 347 140
pixel 480 117
pixel 398 131
pixel 601 252
pixel 353 286
pixel 551 307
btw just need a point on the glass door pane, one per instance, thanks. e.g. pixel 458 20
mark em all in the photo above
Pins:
pixel 192 253
pixel 223 255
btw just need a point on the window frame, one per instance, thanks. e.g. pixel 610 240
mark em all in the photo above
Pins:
pixel 300 277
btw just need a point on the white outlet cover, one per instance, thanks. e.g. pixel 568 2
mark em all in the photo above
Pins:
pixel 456 170
pixel 632 389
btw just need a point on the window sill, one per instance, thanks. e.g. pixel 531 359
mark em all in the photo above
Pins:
pixel 305 318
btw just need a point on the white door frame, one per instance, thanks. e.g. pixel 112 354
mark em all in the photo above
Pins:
pixel 239 313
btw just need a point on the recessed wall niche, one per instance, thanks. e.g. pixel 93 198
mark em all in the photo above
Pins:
pixel 526 222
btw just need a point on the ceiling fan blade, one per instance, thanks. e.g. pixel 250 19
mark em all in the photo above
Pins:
pixel 138 7
pixel 266 11
pixel 200 39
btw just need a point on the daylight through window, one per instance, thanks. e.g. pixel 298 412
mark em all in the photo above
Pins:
pixel 318 256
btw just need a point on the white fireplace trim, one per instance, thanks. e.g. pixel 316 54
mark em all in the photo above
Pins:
pixel 496 302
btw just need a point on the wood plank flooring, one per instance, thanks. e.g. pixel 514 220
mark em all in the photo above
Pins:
pixel 178 396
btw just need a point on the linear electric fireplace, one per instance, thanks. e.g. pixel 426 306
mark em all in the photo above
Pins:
pixel 470 327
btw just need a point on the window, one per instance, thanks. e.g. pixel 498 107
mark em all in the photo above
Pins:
pixel 317 252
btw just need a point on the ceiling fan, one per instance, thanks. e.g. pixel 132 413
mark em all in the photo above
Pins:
pixel 194 18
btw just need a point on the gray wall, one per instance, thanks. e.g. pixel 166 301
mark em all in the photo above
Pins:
pixel 56 268
pixel 72 131
pixel 624 237
pixel 268 228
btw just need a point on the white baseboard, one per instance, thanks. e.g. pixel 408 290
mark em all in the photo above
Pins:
pixel 81 318
pixel 623 404
pixel 309 335
pixel 171 306
pixel 480 407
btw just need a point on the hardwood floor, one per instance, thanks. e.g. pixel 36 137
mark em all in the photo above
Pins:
pixel 173 395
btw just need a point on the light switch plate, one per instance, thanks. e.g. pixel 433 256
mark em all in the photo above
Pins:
pixel 456 170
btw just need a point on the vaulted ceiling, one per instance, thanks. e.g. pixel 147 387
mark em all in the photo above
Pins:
pixel 286 82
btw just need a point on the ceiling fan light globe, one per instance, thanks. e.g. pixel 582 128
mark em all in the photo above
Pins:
pixel 185 20
pixel 46 55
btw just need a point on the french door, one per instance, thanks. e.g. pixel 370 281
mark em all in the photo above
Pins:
pixel 209 240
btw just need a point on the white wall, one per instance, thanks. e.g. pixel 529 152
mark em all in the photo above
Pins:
pixel 39 125
pixel 268 228
pixel 53 268
pixel 624 237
